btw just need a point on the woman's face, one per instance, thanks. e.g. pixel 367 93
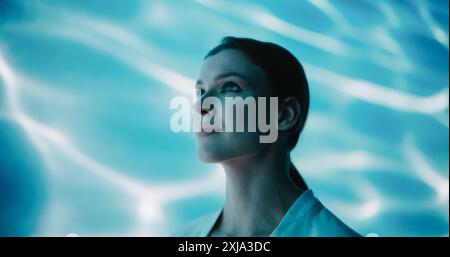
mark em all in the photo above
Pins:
pixel 229 73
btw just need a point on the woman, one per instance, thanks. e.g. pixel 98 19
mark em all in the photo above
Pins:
pixel 265 194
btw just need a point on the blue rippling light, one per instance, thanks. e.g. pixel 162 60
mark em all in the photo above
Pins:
pixel 85 144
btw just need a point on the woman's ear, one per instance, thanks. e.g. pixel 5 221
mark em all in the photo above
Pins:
pixel 289 113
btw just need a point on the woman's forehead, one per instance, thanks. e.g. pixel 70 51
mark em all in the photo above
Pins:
pixel 229 61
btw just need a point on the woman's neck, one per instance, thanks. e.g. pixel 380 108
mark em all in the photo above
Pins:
pixel 258 193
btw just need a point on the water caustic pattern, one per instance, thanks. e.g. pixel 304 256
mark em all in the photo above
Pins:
pixel 85 141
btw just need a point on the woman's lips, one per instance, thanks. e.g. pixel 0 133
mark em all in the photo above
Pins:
pixel 203 133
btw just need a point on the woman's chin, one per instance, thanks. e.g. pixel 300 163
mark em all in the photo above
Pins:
pixel 208 158
pixel 212 154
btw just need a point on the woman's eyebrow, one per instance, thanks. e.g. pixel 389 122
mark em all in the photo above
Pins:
pixel 231 73
pixel 198 82
pixel 224 75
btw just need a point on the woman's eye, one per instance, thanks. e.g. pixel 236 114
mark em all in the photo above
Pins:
pixel 231 87
pixel 199 91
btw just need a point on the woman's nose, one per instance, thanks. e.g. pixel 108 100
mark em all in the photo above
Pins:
pixel 201 109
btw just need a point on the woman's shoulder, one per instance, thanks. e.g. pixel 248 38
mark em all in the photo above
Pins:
pixel 326 223
pixel 309 217
pixel 198 227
